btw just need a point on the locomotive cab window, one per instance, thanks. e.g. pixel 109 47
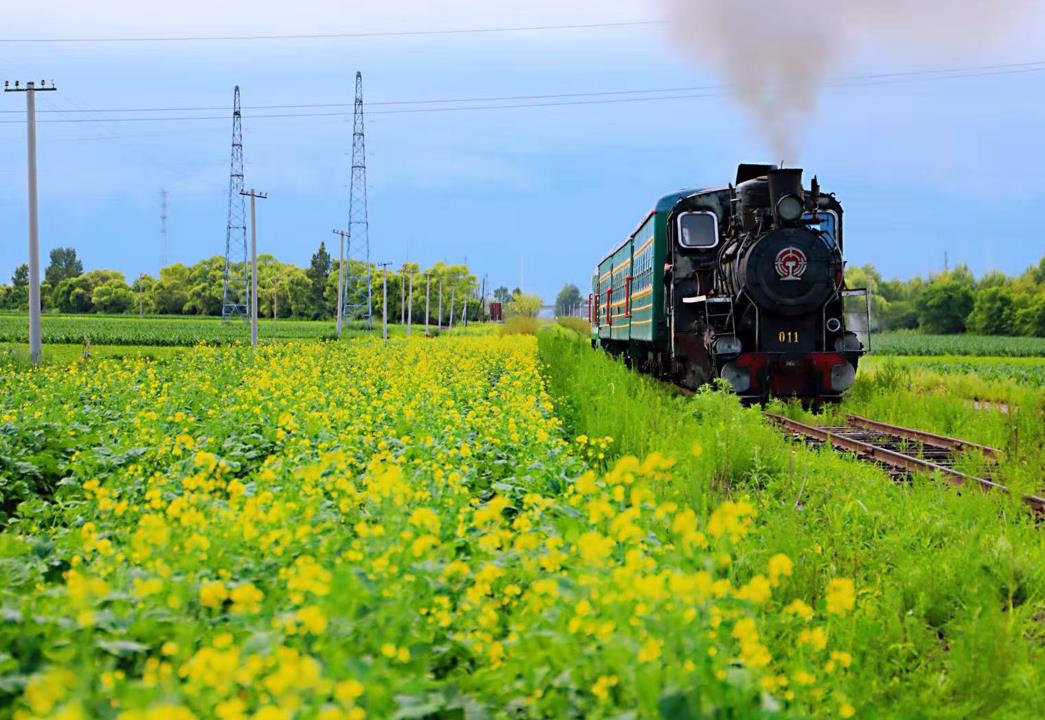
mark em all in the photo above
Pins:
pixel 698 230
pixel 826 224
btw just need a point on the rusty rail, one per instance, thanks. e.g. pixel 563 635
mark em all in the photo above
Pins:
pixel 927 438
pixel 892 459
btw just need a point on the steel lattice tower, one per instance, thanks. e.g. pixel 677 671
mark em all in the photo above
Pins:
pixel 235 300
pixel 358 223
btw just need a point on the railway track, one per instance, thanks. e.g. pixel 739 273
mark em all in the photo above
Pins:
pixel 902 451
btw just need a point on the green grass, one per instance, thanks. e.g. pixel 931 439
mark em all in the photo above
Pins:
pixel 1021 370
pixel 950 586
pixel 911 343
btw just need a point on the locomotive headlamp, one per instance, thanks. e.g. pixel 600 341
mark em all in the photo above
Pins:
pixel 789 208
pixel 834 324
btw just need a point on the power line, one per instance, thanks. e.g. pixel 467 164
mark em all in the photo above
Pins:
pixel 841 81
pixel 598 98
pixel 340 36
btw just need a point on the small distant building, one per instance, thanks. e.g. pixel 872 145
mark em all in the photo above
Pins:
pixel 495 312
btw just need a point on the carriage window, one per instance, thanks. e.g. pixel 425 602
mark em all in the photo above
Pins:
pixel 698 230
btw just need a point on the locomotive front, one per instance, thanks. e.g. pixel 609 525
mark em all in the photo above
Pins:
pixel 781 265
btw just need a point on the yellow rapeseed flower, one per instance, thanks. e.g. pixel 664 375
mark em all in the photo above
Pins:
pixel 841 596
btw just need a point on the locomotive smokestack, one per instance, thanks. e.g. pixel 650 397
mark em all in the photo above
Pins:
pixel 782 183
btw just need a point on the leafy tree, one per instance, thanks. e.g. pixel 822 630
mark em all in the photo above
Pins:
pixel 64 265
pixel 73 295
pixel 112 296
pixel 318 270
pixel 1031 319
pixel 944 304
pixel 502 295
pixel 170 293
pixel 143 292
pixel 524 306
pixel 898 315
pixel 568 299
pixel 994 311
pixel 206 285
pixel 16 296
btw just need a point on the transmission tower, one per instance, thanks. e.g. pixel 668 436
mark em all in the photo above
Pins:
pixel 163 229
pixel 234 298
pixel 358 224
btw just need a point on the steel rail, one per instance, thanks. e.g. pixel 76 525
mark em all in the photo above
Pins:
pixel 896 460
pixel 927 438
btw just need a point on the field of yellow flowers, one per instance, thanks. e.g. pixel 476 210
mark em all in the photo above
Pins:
pixel 353 530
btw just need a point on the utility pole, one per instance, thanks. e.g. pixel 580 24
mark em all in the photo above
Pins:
pixel 163 229
pixel 440 319
pixel 428 287
pixel 384 299
pixel 410 311
pixel 453 295
pixel 340 279
pixel 402 296
pixel 253 195
pixel 30 91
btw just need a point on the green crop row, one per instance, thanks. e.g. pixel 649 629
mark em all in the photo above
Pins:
pixel 910 343
pixel 184 331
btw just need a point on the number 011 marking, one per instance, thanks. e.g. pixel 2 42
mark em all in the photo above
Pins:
pixel 788 336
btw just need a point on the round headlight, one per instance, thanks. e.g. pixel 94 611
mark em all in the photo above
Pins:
pixel 789 208
pixel 834 325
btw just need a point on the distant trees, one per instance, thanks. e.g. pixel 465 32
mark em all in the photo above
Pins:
pixel 955 301
pixel 994 312
pixel 64 265
pixel 944 304
pixel 568 300
pixel 16 295
pixel 284 290
pixel 523 305
pixel 318 271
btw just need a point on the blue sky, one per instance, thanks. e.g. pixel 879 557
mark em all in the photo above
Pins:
pixel 921 167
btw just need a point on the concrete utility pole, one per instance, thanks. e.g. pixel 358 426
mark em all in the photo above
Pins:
pixel 428 287
pixel 30 91
pixel 384 299
pixel 163 229
pixel 340 279
pixel 402 296
pixel 440 319
pixel 464 311
pixel 253 195
pixel 453 295
pixel 410 305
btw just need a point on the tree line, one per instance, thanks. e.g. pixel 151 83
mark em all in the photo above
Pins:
pixel 284 290
pixel 956 301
